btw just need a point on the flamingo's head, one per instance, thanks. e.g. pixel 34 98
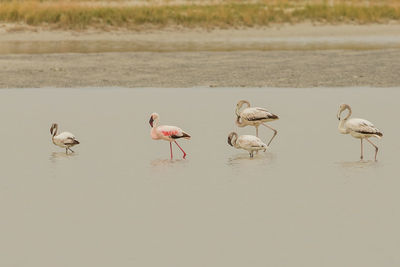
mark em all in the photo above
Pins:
pixel 230 136
pixel 153 117
pixel 342 107
pixel 53 128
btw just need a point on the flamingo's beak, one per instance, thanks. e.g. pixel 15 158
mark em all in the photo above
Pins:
pixel 229 140
pixel 151 121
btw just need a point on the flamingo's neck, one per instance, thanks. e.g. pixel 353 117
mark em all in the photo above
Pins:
pixel 155 123
pixel 342 123
pixel 233 141
pixel 239 121
pixel 348 114
pixel 238 107
pixel 237 111
pixel 342 127
pixel 54 134
pixel 153 131
pixel 55 131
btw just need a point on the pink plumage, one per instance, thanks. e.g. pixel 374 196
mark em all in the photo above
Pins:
pixel 166 132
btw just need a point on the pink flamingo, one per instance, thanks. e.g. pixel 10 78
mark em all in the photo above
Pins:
pixel 166 132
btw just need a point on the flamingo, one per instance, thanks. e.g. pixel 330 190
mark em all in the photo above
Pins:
pixel 250 143
pixel 65 139
pixel 254 116
pixel 167 133
pixel 358 128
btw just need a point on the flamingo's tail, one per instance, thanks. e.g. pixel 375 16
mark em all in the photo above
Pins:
pixel 185 135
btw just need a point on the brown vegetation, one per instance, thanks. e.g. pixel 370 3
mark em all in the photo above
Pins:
pixel 80 14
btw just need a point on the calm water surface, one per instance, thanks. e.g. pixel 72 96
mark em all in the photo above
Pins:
pixel 120 201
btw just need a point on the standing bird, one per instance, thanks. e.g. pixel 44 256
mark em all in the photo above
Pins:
pixel 65 139
pixel 358 128
pixel 254 116
pixel 167 133
pixel 250 143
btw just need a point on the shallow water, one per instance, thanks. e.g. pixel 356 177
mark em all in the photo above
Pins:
pixel 120 201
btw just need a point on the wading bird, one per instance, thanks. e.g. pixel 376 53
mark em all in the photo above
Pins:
pixel 358 128
pixel 65 139
pixel 167 133
pixel 250 143
pixel 254 116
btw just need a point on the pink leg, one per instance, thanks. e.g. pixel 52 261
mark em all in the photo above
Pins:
pixel 170 148
pixel 376 148
pixel 184 153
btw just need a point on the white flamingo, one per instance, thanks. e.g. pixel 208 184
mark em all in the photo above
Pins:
pixel 254 116
pixel 65 139
pixel 358 128
pixel 167 133
pixel 250 143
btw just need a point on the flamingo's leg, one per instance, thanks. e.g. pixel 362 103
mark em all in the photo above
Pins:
pixel 257 136
pixel 275 132
pixel 170 148
pixel 362 156
pixel 184 153
pixel 66 151
pixel 376 148
pixel 71 150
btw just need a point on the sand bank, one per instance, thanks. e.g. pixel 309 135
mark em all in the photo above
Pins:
pixel 290 56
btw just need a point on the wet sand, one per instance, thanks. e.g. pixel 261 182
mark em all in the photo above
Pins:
pixel 285 56
pixel 120 201
pixel 378 68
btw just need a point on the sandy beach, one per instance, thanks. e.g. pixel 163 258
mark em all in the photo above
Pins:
pixel 301 55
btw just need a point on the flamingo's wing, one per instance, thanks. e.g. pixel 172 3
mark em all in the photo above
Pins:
pixel 173 132
pixel 255 114
pixel 363 126
pixel 71 141
pixel 67 138
pixel 250 141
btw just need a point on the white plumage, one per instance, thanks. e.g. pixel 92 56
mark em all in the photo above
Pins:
pixel 358 128
pixel 250 143
pixel 65 139
pixel 254 116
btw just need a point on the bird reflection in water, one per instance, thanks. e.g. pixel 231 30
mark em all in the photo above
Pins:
pixel 166 162
pixel 243 159
pixel 61 155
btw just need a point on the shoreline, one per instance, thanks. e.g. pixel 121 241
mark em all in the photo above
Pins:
pixel 299 30
pixel 291 56
pixel 275 38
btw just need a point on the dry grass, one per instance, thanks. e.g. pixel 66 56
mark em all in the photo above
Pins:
pixel 80 14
